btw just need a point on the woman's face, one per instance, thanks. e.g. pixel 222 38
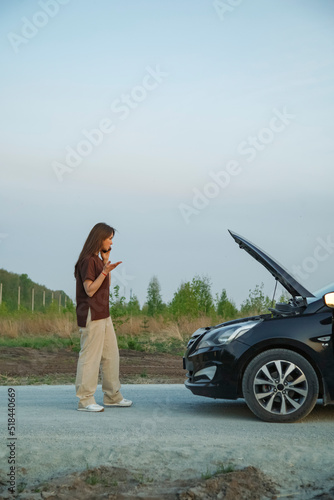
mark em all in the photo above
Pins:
pixel 107 243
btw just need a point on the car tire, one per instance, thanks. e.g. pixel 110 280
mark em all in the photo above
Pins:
pixel 280 385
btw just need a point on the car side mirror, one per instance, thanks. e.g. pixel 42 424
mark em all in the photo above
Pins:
pixel 329 299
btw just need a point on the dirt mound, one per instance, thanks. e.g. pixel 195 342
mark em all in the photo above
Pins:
pixel 117 483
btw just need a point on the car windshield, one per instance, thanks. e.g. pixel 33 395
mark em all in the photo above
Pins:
pixel 319 293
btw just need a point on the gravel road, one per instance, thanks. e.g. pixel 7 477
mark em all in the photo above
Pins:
pixel 167 433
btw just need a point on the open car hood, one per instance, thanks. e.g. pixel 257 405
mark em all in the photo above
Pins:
pixel 289 282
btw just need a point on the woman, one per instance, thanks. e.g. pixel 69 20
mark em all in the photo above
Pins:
pixel 98 340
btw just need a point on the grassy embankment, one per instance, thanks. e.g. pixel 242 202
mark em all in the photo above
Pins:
pixel 51 332
pixel 138 333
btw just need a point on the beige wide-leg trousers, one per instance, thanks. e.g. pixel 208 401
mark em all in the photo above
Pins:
pixel 98 344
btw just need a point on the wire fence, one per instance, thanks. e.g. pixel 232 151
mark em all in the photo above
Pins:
pixel 31 300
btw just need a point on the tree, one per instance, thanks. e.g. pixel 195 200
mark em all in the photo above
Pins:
pixel 201 287
pixel 26 286
pixel 11 282
pixel 284 297
pixel 133 306
pixel 184 302
pixel 117 307
pixel 193 298
pixel 154 300
pixel 257 302
pixel 225 307
pixel 3 309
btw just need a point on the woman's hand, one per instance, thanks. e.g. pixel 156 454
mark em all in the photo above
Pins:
pixel 108 266
pixel 92 286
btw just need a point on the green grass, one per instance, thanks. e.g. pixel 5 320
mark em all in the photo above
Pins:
pixel 142 343
pixel 134 345
pixel 143 479
pixel 92 479
pixel 21 487
pixel 221 469
pixel 41 342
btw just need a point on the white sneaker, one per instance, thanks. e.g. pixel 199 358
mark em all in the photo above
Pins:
pixel 93 407
pixel 124 402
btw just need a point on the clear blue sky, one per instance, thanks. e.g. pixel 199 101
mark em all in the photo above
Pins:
pixel 185 94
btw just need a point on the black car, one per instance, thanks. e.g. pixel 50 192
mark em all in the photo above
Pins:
pixel 280 362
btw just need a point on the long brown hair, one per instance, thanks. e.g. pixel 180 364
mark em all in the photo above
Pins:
pixel 93 243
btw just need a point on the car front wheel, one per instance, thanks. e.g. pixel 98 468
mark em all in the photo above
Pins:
pixel 280 386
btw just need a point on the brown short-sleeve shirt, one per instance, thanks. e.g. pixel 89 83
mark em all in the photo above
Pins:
pixel 89 269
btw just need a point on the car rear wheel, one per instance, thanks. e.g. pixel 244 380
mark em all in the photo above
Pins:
pixel 280 386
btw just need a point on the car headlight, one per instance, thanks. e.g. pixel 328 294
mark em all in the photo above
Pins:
pixel 226 334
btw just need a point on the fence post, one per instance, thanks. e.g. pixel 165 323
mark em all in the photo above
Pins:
pixel 0 294
pixel 32 299
pixel 18 298
pixel 59 303
pixel 43 298
pixel 52 297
